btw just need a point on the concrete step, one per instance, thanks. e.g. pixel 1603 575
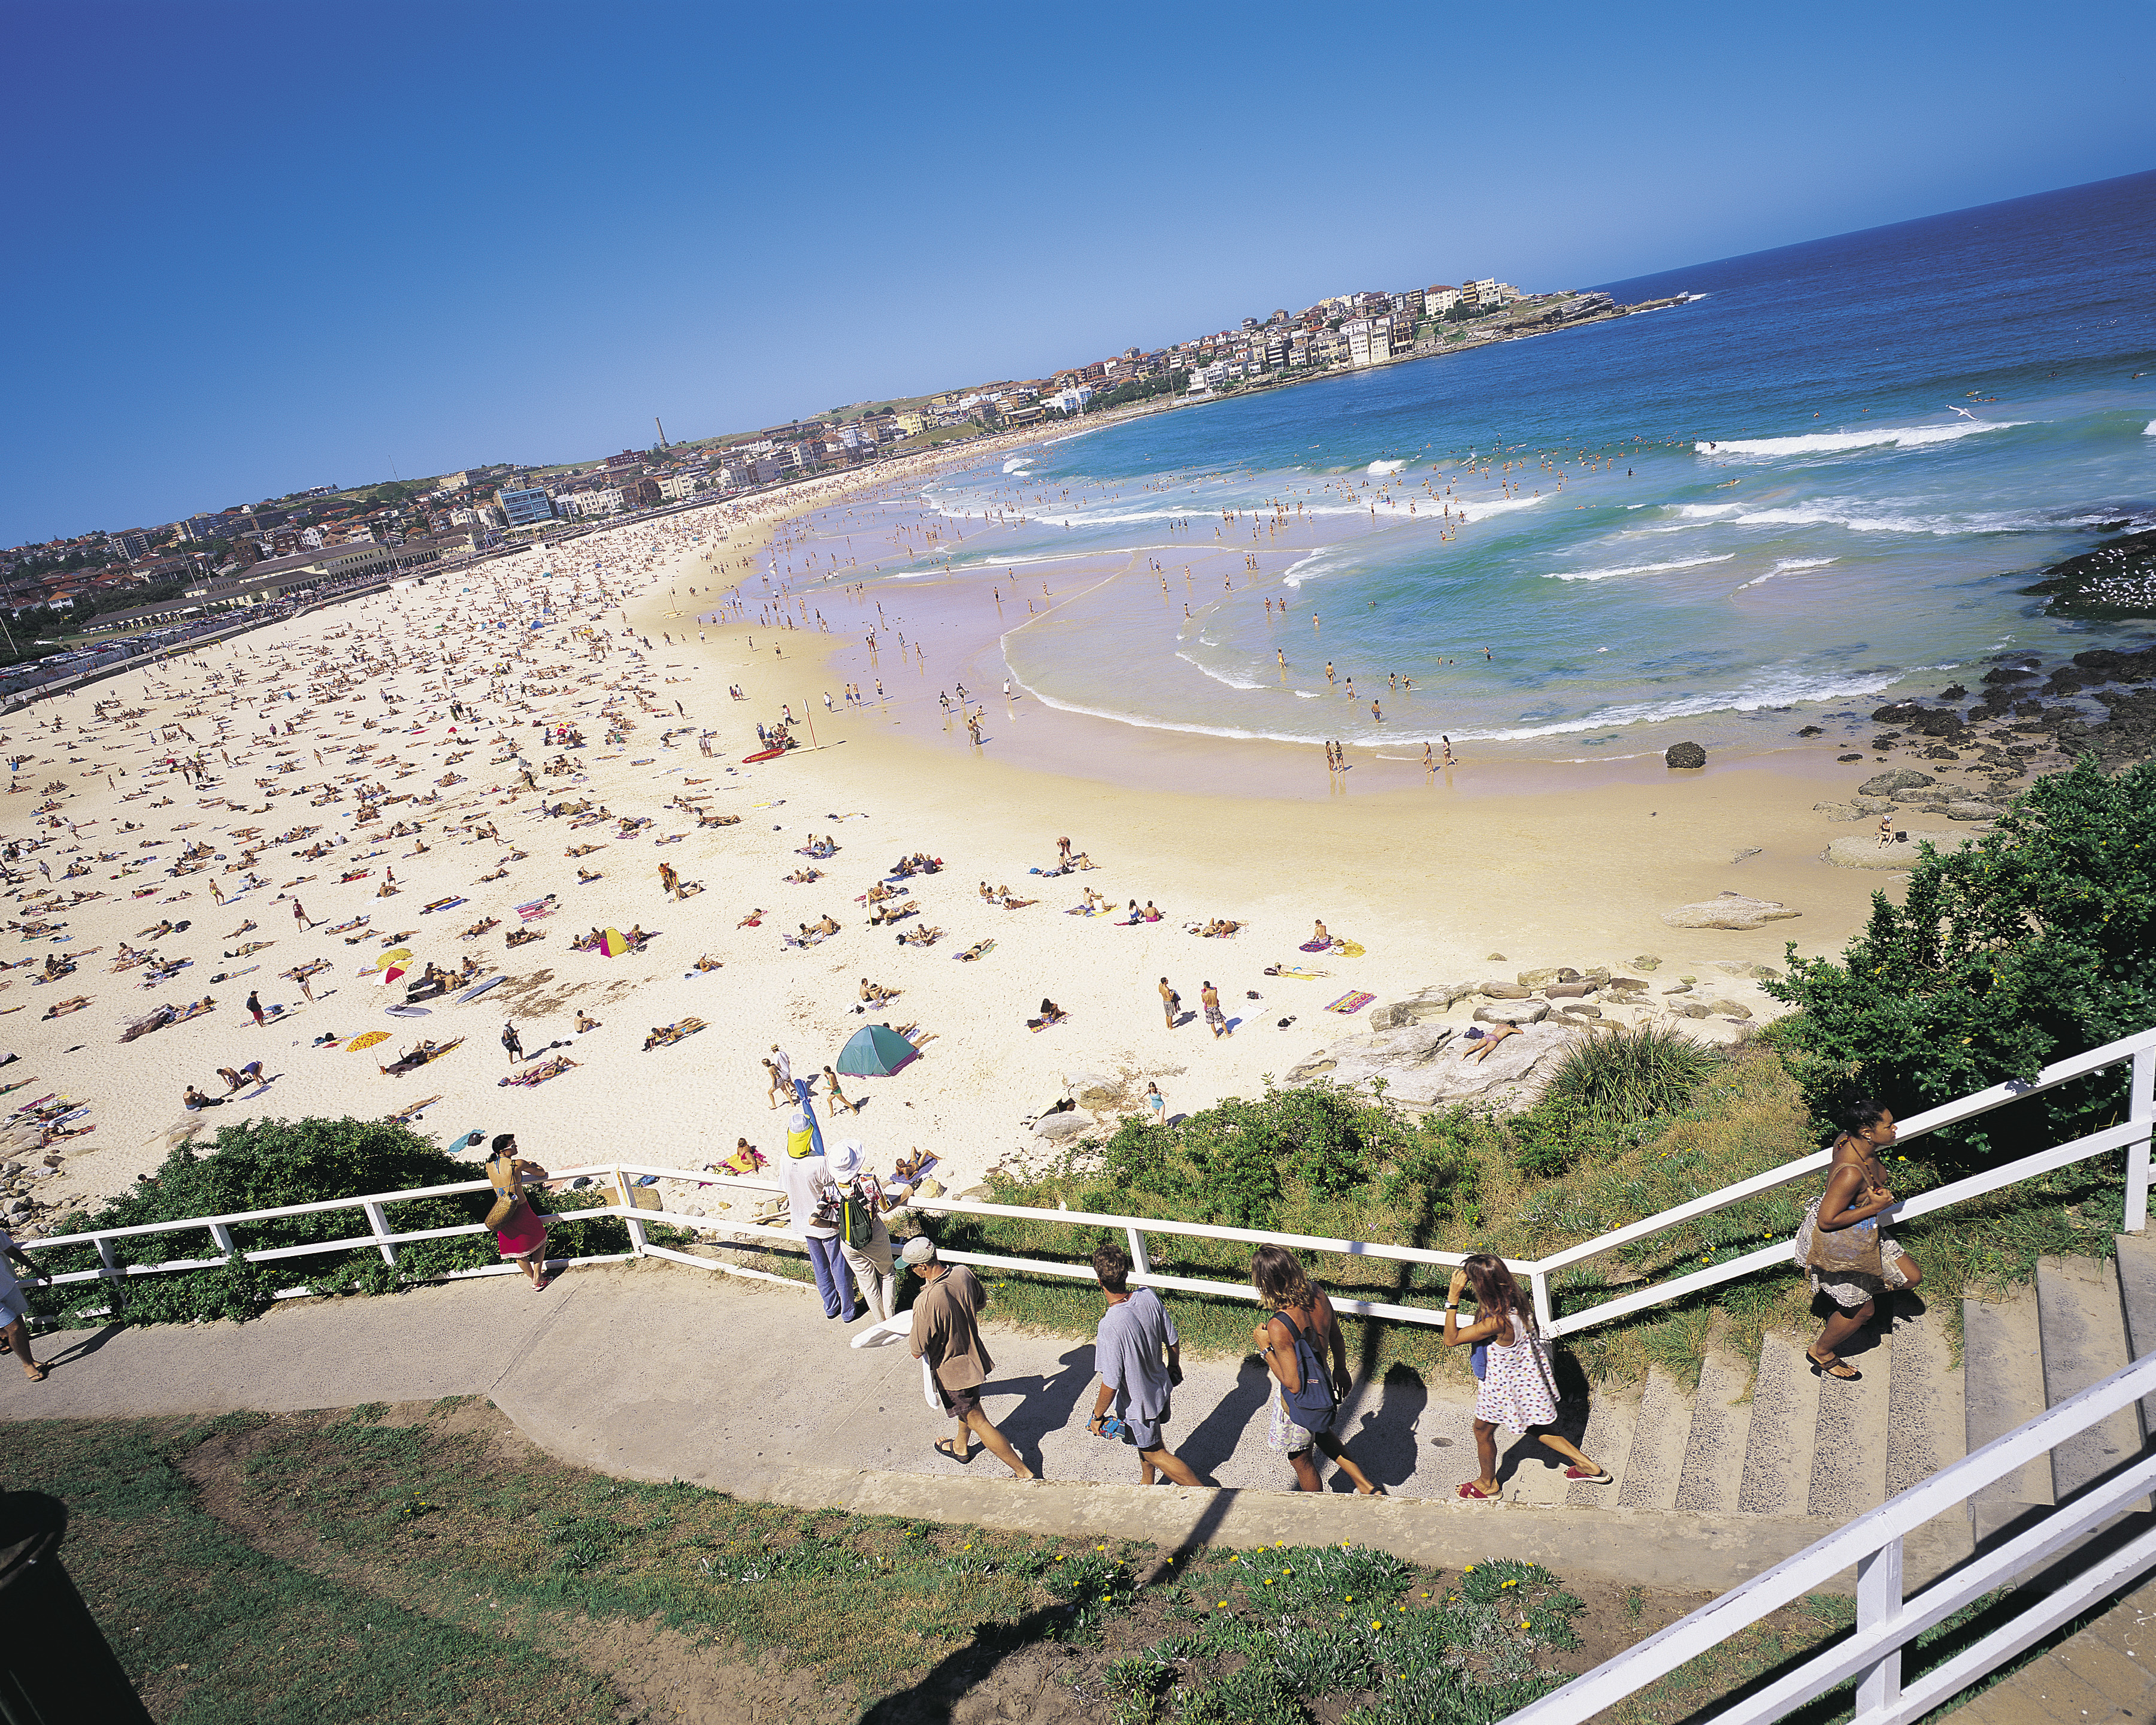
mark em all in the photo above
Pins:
pixel 1712 1475
pixel 2081 1327
pixel 2136 1292
pixel 1611 1421
pixel 1926 1424
pixel 1655 1462
pixel 1784 1425
pixel 1849 1455
pixel 2002 1388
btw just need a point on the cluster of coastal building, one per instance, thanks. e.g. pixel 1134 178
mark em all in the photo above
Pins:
pixel 106 585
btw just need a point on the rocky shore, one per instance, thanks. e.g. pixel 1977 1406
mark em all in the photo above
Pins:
pixel 1967 763
pixel 2116 579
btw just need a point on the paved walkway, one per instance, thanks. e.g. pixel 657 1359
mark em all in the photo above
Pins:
pixel 653 1371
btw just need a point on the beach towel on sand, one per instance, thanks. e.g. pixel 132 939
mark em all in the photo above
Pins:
pixel 1351 1003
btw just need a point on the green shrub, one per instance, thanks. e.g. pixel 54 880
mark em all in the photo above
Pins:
pixel 2035 943
pixel 1630 1074
pixel 266 1164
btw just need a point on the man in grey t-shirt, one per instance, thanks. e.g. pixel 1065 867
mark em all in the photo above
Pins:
pixel 1139 1357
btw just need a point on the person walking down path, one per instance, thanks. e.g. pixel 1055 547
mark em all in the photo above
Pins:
pixel 1139 1357
pixel 14 1312
pixel 520 1231
pixel 512 1045
pixel 863 1240
pixel 1306 1402
pixel 1839 1243
pixel 1517 1390
pixel 946 1334
pixel 812 1207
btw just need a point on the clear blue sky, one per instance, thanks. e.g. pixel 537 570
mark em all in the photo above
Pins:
pixel 252 248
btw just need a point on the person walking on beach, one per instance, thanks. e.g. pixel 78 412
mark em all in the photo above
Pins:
pixel 1517 1390
pixel 1306 1401
pixel 300 915
pixel 512 1045
pixel 1169 1001
pixel 254 1005
pixel 1139 1357
pixel 1209 998
pixel 520 1231
pixel 834 1095
pixel 947 1333
pixel 1839 1243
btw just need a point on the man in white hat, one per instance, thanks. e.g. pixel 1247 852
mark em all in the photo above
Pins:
pixel 947 1333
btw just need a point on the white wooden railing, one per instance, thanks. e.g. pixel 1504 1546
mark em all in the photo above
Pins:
pixel 2133 1134
pixel 1886 1623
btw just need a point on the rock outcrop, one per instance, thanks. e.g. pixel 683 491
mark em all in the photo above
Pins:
pixel 1729 910
pixel 1685 755
pixel 1422 1065
pixel 1861 851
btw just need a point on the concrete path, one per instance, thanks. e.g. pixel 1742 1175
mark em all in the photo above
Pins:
pixel 651 1371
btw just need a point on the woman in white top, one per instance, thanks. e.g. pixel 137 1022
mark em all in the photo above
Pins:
pixel 1517 1390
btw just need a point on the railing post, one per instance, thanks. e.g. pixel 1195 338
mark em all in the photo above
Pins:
pixel 1879 1601
pixel 380 1226
pixel 1139 1261
pixel 223 1236
pixel 628 1194
pixel 2141 1109
pixel 1538 1281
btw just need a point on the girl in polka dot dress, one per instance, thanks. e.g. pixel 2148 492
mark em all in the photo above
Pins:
pixel 1517 1391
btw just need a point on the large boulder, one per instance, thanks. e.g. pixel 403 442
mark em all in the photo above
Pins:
pixel 1513 1012
pixel 1433 1001
pixel 1895 778
pixel 1089 1090
pixel 1685 755
pixel 1730 909
pixel 1056 1127
pixel 1860 851
pixel 1973 811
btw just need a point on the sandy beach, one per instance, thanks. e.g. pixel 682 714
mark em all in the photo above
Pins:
pixel 303 729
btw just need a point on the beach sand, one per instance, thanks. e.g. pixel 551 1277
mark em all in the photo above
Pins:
pixel 1545 866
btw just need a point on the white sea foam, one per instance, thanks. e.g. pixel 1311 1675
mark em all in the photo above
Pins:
pixel 2150 429
pixel 1384 467
pixel 1785 565
pixel 1779 688
pixel 1301 569
pixel 1219 677
pixel 1632 569
pixel 1828 443
pixel 1018 464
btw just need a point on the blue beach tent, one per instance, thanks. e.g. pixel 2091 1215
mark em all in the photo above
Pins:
pixel 876 1051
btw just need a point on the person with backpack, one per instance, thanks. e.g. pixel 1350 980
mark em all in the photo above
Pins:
pixel 1308 1401
pixel 812 1205
pixel 1515 1390
pixel 863 1240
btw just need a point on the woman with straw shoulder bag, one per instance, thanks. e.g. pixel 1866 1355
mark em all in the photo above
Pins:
pixel 1839 1243
pixel 520 1232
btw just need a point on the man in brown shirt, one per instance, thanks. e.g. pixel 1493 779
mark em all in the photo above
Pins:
pixel 946 1334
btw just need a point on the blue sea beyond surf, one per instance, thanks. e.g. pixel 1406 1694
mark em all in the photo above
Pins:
pixel 1818 486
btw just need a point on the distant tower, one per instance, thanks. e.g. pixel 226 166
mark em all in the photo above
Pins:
pixel 662 431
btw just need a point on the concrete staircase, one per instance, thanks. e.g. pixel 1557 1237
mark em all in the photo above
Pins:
pixel 1802 1446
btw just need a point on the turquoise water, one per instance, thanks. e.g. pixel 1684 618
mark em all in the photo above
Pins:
pixel 1816 488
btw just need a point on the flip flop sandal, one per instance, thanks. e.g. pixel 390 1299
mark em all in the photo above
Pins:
pixel 942 1446
pixel 1581 1476
pixel 1469 1490
pixel 1847 1374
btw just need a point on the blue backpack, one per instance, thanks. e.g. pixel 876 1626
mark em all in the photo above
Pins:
pixel 1312 1406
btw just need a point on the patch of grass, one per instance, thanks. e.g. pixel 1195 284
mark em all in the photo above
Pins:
pixel 1631 1074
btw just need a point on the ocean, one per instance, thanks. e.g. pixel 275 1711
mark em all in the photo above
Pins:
pixel 1816 487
